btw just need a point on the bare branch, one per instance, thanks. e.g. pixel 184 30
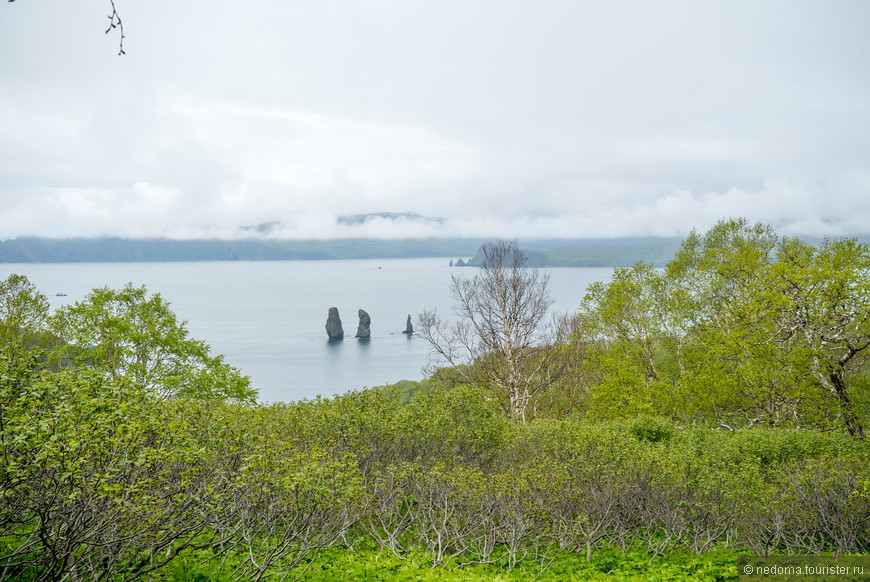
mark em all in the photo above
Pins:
pixel 115 22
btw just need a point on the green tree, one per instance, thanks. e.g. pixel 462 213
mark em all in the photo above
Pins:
pixel 825 309
pixel 634 337
pixel 23 310
pixel 734 364
pixel 130 334
pixel 740 325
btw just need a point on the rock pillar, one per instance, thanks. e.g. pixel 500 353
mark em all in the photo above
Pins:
pixel 333 325
pixel 365 323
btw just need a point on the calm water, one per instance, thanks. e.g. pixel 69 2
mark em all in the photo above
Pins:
pixel 268 318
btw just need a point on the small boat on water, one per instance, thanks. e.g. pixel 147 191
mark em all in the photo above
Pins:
pixel 60 294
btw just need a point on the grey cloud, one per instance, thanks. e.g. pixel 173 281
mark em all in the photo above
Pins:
pixel 508 118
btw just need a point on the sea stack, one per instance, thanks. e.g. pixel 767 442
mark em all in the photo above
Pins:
pixel 409 329
pixel 365 323
pixel 333 325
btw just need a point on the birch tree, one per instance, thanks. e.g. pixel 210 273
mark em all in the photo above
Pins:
pixel 501 343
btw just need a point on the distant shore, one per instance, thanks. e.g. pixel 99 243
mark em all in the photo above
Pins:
pixel 541 253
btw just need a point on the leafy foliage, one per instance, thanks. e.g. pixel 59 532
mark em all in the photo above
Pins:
pixel 23 310
pixel 741 327
pixel 128 452
pixel 132 335
pixel 97 473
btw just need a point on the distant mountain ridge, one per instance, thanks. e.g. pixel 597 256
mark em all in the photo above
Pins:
pixel 275 226
pixel 353 219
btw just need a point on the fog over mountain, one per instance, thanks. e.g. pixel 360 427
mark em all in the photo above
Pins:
pixel 562 118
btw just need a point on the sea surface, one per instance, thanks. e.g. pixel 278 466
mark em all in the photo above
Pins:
pixel 268 317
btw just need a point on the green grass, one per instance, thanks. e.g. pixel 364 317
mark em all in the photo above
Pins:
pixel 366 562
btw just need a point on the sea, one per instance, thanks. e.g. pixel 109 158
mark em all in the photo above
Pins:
pixel 268 318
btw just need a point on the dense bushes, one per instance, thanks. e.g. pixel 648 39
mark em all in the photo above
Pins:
pixel 100 479
pixel 94 476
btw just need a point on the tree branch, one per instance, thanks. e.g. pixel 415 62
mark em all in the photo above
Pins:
pixel 115 22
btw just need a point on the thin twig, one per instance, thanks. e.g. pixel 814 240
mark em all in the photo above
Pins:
pixel 115 22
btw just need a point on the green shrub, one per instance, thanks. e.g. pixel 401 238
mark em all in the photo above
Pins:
pixel 651 429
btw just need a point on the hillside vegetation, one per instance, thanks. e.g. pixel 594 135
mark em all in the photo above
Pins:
pixel 684 420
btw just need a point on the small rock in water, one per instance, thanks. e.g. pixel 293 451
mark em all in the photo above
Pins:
pixel 409 329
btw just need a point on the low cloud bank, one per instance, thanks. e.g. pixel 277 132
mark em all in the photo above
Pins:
pixel 151 211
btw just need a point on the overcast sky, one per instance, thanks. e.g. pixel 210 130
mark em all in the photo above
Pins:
pixel 543 118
